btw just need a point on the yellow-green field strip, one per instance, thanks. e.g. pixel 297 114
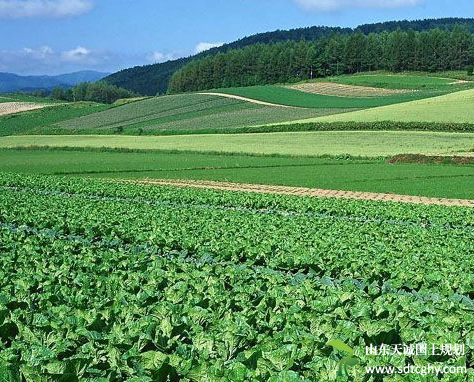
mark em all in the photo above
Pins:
pixel 450 108
pixel 355 143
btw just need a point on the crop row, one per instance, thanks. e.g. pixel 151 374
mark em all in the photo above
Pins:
pixel 119 281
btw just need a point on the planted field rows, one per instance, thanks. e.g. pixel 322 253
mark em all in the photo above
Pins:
pixel 121 281
pixel 187 112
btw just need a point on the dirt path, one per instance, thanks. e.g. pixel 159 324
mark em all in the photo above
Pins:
pixel 301 191
pixel 232 96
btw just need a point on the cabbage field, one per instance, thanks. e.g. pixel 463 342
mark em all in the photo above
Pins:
pixel 109 281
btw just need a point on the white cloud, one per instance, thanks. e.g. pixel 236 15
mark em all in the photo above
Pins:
pixel 202 46
pixel 159 57
pixel 335 5
pixel 18 9
pixel 46 60
pixel 78 54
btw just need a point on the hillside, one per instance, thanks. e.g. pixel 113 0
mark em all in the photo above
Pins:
pixel 449 108
pixel 10 82
pixel 153 79
pixel 291 61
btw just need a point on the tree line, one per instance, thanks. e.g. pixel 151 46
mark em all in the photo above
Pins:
pixel 100 92
pixel 292 61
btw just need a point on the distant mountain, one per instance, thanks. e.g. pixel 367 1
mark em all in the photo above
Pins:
pixel 10 82
pixel 154 79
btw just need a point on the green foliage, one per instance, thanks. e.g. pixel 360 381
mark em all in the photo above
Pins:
pixel 100 92
pixel 119 281
pixel 470 70
pixel 290 61
pixel 154 79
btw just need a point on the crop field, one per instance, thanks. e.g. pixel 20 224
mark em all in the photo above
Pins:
pixel 41 119
pixel 183 112
pixel 291 97
pixel 449 108
pixel 123 281
pixel 402 81
pixel 354 143
pixel 375 175
pixel 342 90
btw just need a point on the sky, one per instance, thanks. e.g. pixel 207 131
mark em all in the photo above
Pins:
pixel 61 36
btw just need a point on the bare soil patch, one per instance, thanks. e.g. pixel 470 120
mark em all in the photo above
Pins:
pixel 17 107
pixel 426 159
pixel 311 192
pixel 340 90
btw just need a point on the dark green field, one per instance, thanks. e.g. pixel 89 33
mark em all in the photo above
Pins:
pixel 291 97
pixel 434 180
pixel 24 123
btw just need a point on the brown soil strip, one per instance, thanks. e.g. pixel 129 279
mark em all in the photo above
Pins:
pixel 340 90
pixel 301 191
pixel 426 159
pixel 232 96
pixel 7 108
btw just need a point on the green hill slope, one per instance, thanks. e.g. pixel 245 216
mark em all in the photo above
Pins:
pixel 153 79
pixel 450 108
pixel 184 112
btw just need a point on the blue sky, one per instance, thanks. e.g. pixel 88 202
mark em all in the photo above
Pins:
pixel 56 36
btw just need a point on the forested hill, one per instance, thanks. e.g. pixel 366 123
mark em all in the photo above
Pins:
pixel 154 79
pixel 293 61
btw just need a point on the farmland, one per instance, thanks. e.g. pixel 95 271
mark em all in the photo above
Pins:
pixel 454 107
pixel 227 289
pixel 354 143
pixel 7 108
pixel 369 175
pixel 291 97
pixel 106 277
pixel 40 119
pixel 403 81
pixel 185 112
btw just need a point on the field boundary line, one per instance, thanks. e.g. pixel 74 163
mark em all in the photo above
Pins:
pixel 303 191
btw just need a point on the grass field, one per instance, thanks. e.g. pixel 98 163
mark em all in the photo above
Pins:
pixel 446 181
pixel 449 108
pixel 360 143
pixel 290 97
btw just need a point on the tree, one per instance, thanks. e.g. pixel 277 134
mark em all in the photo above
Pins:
pixel 57 93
